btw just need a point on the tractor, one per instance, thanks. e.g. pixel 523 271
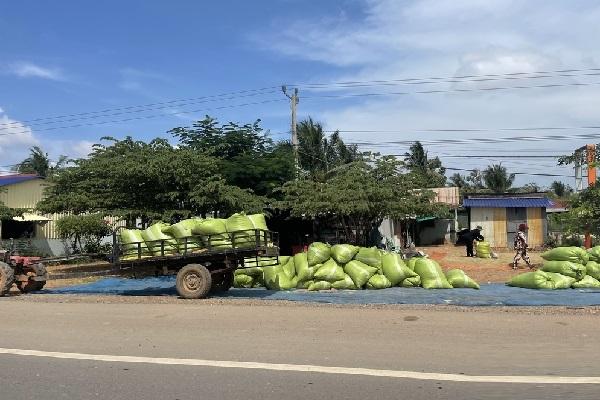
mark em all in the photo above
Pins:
pixel 28 273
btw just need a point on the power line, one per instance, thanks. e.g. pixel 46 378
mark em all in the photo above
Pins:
pixel 466 130
pixel 167 104
pixel 516 173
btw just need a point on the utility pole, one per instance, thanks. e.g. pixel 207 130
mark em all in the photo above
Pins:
pixel 293 103
pixel 591 159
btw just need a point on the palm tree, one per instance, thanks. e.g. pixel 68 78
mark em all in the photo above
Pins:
pixel 560 189
pixel 39 163
pixel 497 178
pixel 429 170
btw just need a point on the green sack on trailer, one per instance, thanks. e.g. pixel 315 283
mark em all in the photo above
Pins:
pixel 154 238
pixel 561 281
pixel 359 272
pixel 343 253
pixel 592 268
pixel 410 263
pixel 243 281
pixel 414 281
pixel 304 285
pixel 378 282
pixel 532 280
pixel 214 233
pixel 458 279
pixel 483 250
pixel 394 268
pixel 330 271
pixel 432 276
pixel 594 254
pixel 241 230
pixel 346 283
pixel 303 271
pixel 182 232
pixel 370 256
pixel 567 268
pixel 573 254
pixel 132 244
pixel 319 285
pixel 258 221
pixel 318 253
pixel 587 282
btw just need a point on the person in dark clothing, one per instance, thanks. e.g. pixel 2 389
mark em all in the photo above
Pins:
pixel 467 238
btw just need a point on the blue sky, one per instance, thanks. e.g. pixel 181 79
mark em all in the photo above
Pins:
pixel 70 57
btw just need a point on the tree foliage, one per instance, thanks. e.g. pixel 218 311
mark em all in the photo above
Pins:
pixel 39 163
pixel 83 232
pixel 359 195
pixel 428 172
pixel 584 213
pixel 497 179
pixel 560 189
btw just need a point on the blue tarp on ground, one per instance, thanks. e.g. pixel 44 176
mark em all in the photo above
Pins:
pixel 489 295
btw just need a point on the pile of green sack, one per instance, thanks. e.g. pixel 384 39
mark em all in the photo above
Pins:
pixel 345 266
pixel 483 249
pixel 563 268
pixel 192 235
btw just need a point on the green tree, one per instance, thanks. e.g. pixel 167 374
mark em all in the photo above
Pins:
pixel 497 179
pixel 245 155
pixel 83 232
pixel 428 171
pixel 358 196
pixel 584 212
pixel 560 189
pixel 39 163
pixel 318 154
pixel 150 181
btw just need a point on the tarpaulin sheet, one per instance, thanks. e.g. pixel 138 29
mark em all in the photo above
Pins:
pixel 489 295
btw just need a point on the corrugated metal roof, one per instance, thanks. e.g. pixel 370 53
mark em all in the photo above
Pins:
pixel 508 202
pixel 16 178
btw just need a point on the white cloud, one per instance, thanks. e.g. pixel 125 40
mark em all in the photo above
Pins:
pixel 15 140
pixel 406 39
pixel 29 70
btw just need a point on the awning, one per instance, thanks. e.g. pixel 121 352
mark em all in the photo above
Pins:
pixel 421 219
pixel 30 217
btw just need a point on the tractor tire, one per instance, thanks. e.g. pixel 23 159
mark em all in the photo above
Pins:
pixel 7 278
pixel 223 283
pixel 32 285
pixel 193 281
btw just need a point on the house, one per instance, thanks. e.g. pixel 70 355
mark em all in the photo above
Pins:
pixel 501 214
pixel 24 191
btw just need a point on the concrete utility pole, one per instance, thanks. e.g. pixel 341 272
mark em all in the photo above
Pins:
pixel 591 159
pixel 293 103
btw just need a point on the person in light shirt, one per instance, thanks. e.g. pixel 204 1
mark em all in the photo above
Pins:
pixel 520 245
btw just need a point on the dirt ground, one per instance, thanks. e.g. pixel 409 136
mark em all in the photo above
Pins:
pixel 482 270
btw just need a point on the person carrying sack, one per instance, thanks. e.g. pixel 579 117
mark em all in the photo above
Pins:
pixel 520 245
pixel 467 238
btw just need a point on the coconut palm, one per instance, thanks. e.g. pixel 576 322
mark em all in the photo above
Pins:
pixel 497 178
pixel 39 163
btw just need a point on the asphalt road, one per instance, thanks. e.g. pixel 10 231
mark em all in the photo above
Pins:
pixel 167 351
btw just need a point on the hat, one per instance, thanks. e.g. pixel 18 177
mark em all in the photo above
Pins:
pixel 523 227
pixel 479 227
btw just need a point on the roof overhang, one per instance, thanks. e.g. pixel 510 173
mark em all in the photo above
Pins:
pixel 31 217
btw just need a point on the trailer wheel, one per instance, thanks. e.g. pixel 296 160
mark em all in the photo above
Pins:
pixel 7 278
pixel 32 285
pixel 193 281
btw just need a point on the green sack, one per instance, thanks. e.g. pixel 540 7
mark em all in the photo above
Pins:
pixel 567 268
pixel 370 256
pixel 330 271
pixel 283 282
pixel 319 285
pixel 359 272
pixel 270 276
pixel 182 232
pixel 304 285
pixel 587 282
pixel 303 271
pixel 154 238
pixel 378 282
pixel 284 259
pixel 414 281
pixel 253 271
pixel 432 276
pixel 346 283
pixel 561 281
pixel 594 254
pixel 241 230
pixel 532 280
pixel 483 250
pixel 289 268
pixel 458 279
pixel 258 221
pixel 243 281
pixel 318 253
pixel 592 268
pixel 410 263
pixel 129 239
pixel 573 254
pixel 214 233
pixel 343 253
pixel 394 268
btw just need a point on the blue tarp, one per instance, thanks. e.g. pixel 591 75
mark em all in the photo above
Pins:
pixel 489 295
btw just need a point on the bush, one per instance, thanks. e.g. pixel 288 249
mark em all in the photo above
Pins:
pixel 573 240
pixel 550 242
pixel 83 232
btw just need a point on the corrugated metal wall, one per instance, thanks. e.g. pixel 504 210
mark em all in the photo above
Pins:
pixel 493 221
pixel 535 236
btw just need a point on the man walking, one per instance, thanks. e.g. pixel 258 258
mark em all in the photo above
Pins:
pixel 520 245
pixel 469 237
